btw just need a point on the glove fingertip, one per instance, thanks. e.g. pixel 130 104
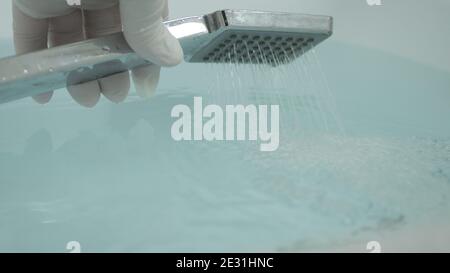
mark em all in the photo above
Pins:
pixel 146 80
pixel 43 98
pixel 174 52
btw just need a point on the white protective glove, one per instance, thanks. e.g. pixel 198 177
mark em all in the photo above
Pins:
pixel 39 24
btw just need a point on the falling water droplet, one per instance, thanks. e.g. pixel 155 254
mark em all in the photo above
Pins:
pixel 106 49
pixel 50 69
pixel 25 71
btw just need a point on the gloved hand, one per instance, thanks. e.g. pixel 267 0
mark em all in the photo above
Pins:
pixel 39 24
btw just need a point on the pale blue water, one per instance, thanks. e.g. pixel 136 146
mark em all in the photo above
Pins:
pixel 371 159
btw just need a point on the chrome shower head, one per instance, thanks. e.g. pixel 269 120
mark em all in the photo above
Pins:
pixel 226 36
pixel 256 37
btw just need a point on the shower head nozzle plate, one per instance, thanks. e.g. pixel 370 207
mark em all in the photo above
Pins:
pixel 256 37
